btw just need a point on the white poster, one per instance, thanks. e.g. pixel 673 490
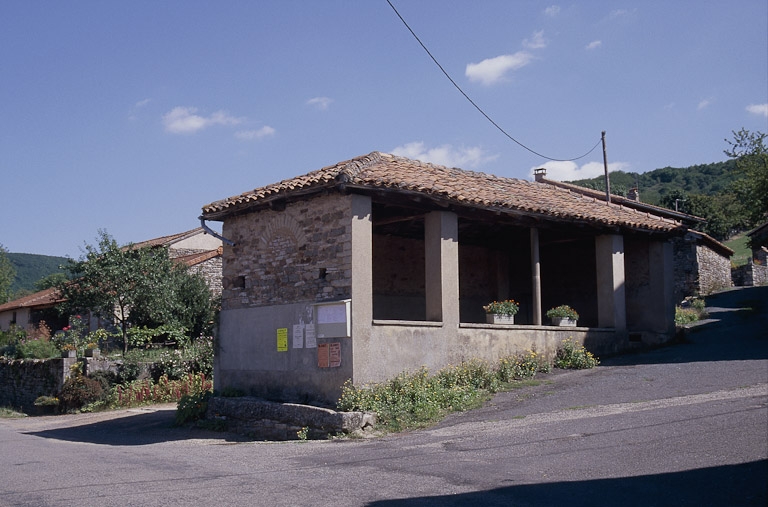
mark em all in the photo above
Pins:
pixel 298 336
pixel 310 336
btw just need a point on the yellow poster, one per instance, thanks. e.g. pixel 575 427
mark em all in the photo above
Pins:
pixel 282 339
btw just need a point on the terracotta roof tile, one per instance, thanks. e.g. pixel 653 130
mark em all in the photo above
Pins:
pixel 474 189
pixel 198 258
pixel 47 297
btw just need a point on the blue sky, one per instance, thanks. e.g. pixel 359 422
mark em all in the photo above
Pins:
pixel 130 116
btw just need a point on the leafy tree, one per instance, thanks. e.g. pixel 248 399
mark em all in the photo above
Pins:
pixel 749 151
pixel 136 287
pixel 52 280
pixel 7 274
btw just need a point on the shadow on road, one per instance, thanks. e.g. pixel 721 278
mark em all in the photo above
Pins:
pixel 732 485
pixel 132 428
pixel 737 329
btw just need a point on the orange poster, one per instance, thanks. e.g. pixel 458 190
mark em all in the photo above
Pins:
pixel 323 358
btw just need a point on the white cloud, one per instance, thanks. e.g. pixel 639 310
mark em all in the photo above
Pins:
pixel 142 103
pixel 552 10
pixel 594 44
pixel 569 171
pixel 249 135
pixel 537 41
pixel 320 103
pixel 446 155
pixel 704 104
pixel 760 109
pixel 492 70
pixel 184 120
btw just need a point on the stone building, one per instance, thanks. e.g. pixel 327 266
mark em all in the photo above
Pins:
pixel 755 272
pixel 381 264
pixel 702 265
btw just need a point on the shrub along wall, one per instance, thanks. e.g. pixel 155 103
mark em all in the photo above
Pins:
pixel 24 380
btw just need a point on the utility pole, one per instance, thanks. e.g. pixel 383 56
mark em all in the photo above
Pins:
pixel 605 166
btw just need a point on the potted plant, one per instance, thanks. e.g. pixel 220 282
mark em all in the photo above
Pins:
pixel 501 312
pixel 92 350
pixel 563 315
pixel 68 350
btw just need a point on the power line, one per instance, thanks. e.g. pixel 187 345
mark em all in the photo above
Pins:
pixel 478 107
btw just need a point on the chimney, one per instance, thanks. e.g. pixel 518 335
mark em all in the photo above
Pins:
pixel 633 194
pixel 539 174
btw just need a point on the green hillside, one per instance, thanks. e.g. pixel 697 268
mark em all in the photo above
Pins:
pixel 704 179
pixel 31 268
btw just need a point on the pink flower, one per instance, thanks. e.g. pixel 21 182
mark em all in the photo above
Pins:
pixel 65 328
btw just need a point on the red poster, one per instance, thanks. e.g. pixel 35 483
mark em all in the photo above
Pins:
pixel 334 353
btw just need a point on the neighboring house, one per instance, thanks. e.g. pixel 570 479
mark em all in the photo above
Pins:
pixel 756 270
pixel 381 264
pixel 198 250
pixel 28 311
pixel 702 264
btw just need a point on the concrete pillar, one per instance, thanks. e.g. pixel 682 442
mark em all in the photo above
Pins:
pixel 536 278
pixel 661 304
pixel 441 252
pixel 362 261
pixel 362 283
pixel 611 291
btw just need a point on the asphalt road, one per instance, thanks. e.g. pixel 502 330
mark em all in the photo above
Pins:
pixel 681 425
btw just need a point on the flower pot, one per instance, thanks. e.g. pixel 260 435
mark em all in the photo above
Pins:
pixel 495 318
pixel 562 321
pixel 68 353
pixel 92 353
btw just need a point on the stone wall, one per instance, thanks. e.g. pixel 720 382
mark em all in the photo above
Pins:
pixel 211 271
pixel 714 270
pixel 302 253
pixel 699 270
pixel 755 272
pixel 284 421
pixel 24 380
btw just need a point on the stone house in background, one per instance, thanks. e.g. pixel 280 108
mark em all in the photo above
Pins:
pixel 381 264
pixel 755 272
pixel 201 252
pixel 702 264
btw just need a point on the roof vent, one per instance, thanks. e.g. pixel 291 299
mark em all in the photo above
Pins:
pixel 539 174
pixel 633 194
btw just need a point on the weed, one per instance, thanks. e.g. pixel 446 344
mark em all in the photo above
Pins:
pixel 418 399
pixel 303 433
pixel 576 357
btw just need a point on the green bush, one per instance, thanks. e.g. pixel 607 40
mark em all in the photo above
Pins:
pixel 37 349
pixel 576 357
pixel 192 407
pixel 79 391
pixel 685 316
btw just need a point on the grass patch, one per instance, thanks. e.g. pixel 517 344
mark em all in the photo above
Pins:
pixel 9 413
pixel 741 251
pixel 419 399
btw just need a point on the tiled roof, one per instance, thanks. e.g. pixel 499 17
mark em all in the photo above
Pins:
pixel 381 171
pixel 168 240
pixel 198 258
pixel 47 297
pixel 625 201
